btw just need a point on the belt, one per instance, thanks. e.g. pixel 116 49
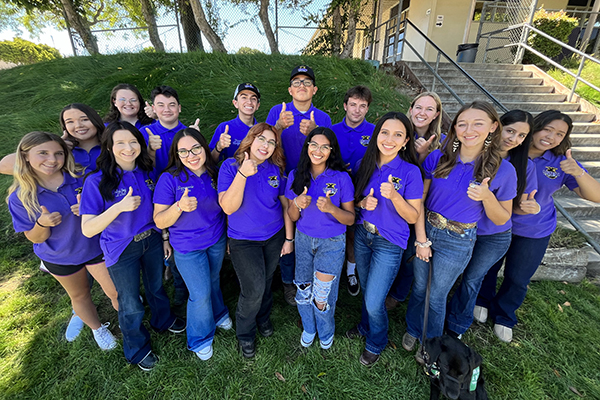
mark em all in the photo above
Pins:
pixel 441 222
pixel 371 228
pixel 141 236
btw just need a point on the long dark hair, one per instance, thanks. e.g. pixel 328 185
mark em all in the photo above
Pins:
pixel 544 118
pixel 518 155
pixel 176 167
pixel 371 158
pixel 106 163
pixel 90 113
pixel 113 112
pixel 302 175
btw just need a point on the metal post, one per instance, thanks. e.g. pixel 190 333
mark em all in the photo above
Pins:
pixel 70 35
pixel 469 22
pixel 276 24
pixel 525 34
pixel 178 27
pixel 481 21
pixel 397 34
pixel 487 46
pixel 576 79
pixel 403 40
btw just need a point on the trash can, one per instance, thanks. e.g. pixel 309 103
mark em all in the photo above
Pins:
pixel 466 52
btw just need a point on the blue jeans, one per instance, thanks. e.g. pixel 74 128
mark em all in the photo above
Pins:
pixel 487 251
pixel 254 263
pixel 377 263
pixel 286 264
pixel 145 256
pixel 404 280
pixel 327 257
pixel 205 307
pixel 522 260
pixel 451 254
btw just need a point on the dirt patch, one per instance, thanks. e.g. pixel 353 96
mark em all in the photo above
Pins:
pixel 6 65
pixel 11 283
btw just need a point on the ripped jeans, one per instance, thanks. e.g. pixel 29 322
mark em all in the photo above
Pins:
pixel 327 257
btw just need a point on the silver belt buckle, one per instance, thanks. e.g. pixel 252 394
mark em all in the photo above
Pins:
pixel 141 236
pixel 371 228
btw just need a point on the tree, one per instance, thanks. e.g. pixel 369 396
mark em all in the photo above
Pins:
pixel 213 38
pixel 148 13
pixel 191 31
pixel 263 14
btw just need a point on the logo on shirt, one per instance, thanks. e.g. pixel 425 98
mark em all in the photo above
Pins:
pixel 237 142
pixel 551 172
pixel 274 181
pixel 397 182
pixel 330 189
pixel 120 192
pixel 364 140
pixel 213 184
pixel 150 184
pixel 182 189
pixel 78 190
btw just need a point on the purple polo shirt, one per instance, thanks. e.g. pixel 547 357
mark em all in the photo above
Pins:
pixel 237 130
pixel 448 196
pixel 66 244
pixel 119 233
pixel 312 221
pixel 550 178
pixel 88 160
pixel 353 141
pixel 487 227
pixel 291 137
pixel 408 183
pixel 261 215
pixel 167 135
pixel 201 228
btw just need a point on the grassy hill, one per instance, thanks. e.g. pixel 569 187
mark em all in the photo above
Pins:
pixel 556 348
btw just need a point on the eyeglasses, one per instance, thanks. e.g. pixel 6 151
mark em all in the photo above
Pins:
pixel 313 146
pixel 305 82
pixel 184 153
pixel 262 140
pixel 124 100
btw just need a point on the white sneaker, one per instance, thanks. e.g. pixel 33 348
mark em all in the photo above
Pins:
pixel 480 314
pixel 226 325
pixel 73 328
pixel 504 333
pixel 104 338
pixel 206 353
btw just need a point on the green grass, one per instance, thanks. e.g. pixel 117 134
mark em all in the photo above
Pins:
pixel 553 350
pixel 590 72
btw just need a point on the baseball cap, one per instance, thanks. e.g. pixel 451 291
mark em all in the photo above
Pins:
pixel 303 70
pixel 246 86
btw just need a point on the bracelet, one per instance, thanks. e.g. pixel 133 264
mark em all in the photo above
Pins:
pixel 296 204
pixel 423 245
pixel 582 173
pixel 289 240
pixel 538 211
pixel 240 172
pixel 217 149
pixel 37 221
pixel 165 240
pixel 178 208
pixel 360 203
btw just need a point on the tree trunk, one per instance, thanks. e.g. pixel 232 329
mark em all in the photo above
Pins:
pixel 349 46
pixel 191 32
pixel 337 32
pixel 81 26
pixel 263 14
pixel 213 39
pixel 148 14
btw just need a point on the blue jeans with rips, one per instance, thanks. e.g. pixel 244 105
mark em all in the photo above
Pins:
pixel 327 257
pixel 487 251
pixel 451 254
pixel 205 306
pixel 377 262
pixel 145 256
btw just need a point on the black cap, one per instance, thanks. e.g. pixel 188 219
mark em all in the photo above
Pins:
pixel 303 70
pixel 246 86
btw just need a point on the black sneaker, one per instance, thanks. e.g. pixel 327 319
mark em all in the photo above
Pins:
pixel 178 325
pixel 353 285
pixel 266 328
pixel 248 349
pixel 354 333
pixel 368 359
pixel 148 362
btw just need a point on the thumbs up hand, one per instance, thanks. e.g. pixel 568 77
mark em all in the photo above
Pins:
pixel 286 118
pixel 307 125
pixel 248 167
pixel 387 189
pixel 369 203
pixel 49 219
pixel 154 141
pixel 150 111
pixel 75 207
pixel 196 125
pixel 68 140
pixel 570 166
pixel 130 202
pixel 422 145
pixel 480 192
pixel 224 140
pixel 324 204
pixel 187 203
pixel 303 200
pixel 529 205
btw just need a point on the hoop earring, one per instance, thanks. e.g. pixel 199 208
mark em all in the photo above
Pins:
pixel 455 145
pixel 488 141
pixel 403 148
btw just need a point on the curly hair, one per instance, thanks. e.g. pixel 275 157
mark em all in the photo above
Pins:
pixel 277 158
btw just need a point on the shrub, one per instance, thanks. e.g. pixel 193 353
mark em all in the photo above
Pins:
pixel 21 51
pixel 556 24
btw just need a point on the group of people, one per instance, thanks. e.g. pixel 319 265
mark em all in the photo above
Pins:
pixel 115 198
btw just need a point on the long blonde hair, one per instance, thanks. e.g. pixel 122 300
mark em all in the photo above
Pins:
pixel 25 181
pixel 435 127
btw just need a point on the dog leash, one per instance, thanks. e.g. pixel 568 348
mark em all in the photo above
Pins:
pixel 424 353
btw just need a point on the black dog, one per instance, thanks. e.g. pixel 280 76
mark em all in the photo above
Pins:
pixel 454 369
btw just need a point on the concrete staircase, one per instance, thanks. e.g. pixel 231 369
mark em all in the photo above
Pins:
pixel 528 88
